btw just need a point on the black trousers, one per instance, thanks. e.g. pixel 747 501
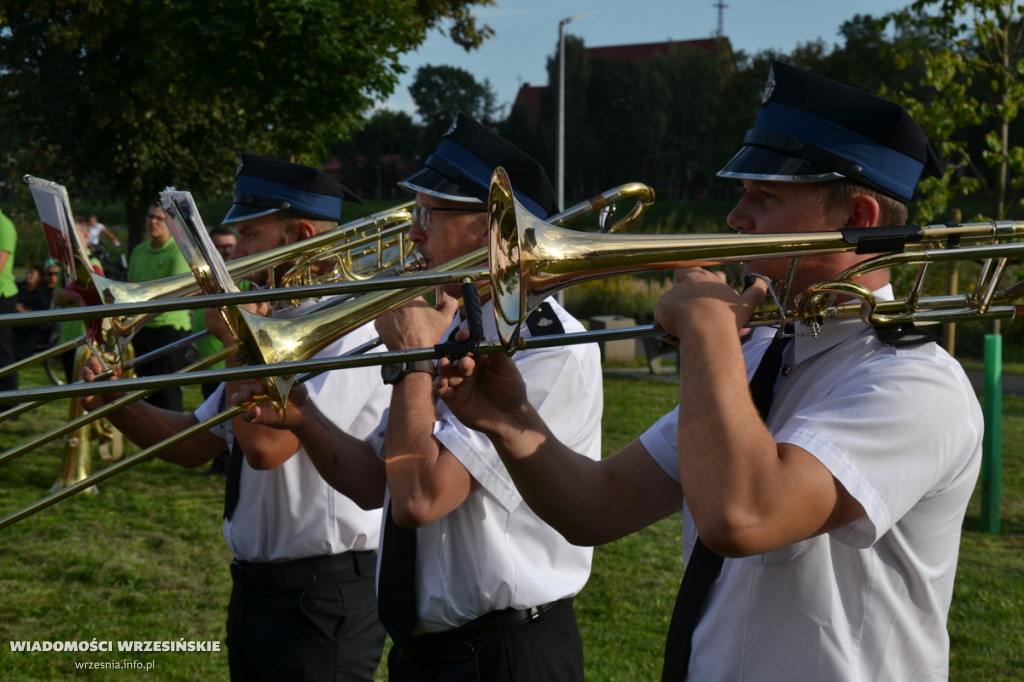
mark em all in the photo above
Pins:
pixel 546 648
pixel 150 338
pixel 309 619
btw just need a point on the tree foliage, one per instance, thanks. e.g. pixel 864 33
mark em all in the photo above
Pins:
pixel 440 91
pixel 964 61
pixel 124 98
pixel 377 156
pixel 668 120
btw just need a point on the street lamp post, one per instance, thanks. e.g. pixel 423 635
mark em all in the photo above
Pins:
pixel 560 172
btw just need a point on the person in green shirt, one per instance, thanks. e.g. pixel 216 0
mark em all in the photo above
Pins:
pixel 157 258
pixel 8 298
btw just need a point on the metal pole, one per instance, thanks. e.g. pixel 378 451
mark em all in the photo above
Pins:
pixel 992 442
pixel 560 151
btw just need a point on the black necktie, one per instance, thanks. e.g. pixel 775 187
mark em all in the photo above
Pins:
pixel 234 479
pixel 704 565
pixel 396 586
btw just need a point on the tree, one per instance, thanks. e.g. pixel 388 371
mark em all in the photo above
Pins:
pixel 660 121
pixel 967 60
pixel 378 155
pixel 122 99
pixel 441 91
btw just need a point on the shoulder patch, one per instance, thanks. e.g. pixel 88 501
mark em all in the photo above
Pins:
pixel 544 322
pixel 904 336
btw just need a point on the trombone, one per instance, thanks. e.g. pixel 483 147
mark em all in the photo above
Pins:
pixel 360 310
pixel 121 302
pixel 530 259
pixel 110 339
pixel 174 293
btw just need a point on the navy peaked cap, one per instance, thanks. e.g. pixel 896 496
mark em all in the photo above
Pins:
pixel 264 185
pixel 460 169
pixel 812 129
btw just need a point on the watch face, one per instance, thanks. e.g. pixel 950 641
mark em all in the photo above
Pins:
pixel 391 371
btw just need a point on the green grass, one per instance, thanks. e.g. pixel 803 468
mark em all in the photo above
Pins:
pixel 144 560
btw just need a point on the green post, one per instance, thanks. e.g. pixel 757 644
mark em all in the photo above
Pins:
pixel 992 444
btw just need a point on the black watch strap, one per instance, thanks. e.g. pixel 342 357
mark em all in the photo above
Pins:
pixel 395 372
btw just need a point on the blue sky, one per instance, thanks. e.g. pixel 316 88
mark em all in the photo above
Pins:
pixel 526 33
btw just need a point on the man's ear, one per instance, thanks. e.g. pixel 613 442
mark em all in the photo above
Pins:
pixel 304 230
pixel 864 211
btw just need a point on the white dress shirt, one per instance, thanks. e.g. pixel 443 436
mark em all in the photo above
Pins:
pixel 290 512
pixel 493 552
pixel 901 430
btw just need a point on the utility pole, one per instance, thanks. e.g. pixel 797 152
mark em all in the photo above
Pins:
pixel 560 172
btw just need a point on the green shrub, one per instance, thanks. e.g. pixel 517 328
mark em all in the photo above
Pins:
pixel 616 295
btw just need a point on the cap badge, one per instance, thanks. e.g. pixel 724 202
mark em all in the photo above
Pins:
pixel 769 86
pixel 452 127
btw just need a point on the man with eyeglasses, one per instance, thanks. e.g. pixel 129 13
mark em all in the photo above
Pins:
pixel 471 585
pixel 157 258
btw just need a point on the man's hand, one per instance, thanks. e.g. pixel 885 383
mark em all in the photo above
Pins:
pixel 89 372
pixel 701 296
pixel 217 326
pixel 260 410
pixel 417 324
pixel 486 393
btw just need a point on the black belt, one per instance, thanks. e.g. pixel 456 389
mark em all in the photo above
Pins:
pixel 457 643
pixel 299 574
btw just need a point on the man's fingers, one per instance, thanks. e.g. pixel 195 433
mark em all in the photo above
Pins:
pixel 755 289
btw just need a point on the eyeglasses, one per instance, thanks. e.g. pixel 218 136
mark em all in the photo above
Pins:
pixel 421 214
pixel 153 216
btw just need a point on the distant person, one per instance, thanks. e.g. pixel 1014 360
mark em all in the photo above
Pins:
pixel 64 297
pixel 98 229
pixel 224 239
pixel 51 276
pixel 8 298
pixel 158 258
pixel 33 294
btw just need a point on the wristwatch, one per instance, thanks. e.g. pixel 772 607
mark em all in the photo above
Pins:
pixel 394 372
